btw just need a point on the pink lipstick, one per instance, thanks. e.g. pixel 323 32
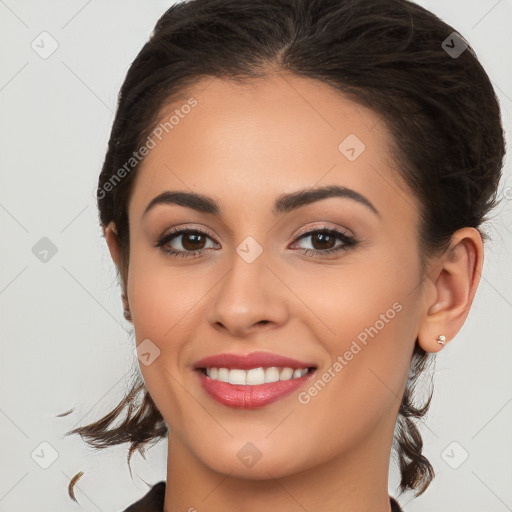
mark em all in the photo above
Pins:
pixel 252 380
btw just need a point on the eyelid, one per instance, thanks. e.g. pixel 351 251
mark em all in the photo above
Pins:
pixel 348 240
pixel 178 230
pixel 311 229
pixel 306 230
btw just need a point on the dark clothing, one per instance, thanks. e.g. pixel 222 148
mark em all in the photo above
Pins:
pixel 153 501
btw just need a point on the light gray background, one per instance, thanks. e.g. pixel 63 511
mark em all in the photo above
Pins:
pixel 64 340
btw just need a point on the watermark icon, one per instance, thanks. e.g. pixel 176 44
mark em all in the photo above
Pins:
pixel 44 250
pixel 249 454
pixel 44 45
pixel 454 455
pixel 507 189
pixel 147 352
pixel 249 249
pixel 304 397
pixel 149 144
pixel 351 147
pixel 44 455
pixel 454 45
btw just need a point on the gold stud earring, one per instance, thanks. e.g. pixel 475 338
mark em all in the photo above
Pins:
pixel 441 339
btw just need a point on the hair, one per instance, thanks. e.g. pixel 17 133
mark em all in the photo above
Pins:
pixel 387 55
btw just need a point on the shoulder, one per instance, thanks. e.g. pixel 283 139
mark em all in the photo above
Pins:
pixel 152 501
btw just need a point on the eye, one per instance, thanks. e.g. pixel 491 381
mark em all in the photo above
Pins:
pixel 192 241
pixel 325 239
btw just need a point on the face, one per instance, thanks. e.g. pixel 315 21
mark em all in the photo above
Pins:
pixel 331 281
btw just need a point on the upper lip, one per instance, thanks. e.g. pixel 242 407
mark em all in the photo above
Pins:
pixel 252 360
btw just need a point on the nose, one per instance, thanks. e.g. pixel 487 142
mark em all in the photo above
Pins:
pixel 250 297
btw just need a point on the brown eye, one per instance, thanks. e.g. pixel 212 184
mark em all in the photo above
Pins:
pixel 323 241
pixel 184 242
pixel 192 241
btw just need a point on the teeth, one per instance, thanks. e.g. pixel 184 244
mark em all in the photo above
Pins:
pixel 223 375
pixel 237 377
pixel 286 374
pixel 271 374
pixel 254 376
pixel 297 373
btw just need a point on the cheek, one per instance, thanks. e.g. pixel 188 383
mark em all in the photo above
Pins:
pixel 162 302
pixel 369 317
pixel 369 342
pixel 365 293
pixel 162 299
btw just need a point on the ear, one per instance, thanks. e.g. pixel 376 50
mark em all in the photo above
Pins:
pixel 453 284
pixel 110 234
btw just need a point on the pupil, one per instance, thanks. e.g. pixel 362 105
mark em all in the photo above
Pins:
pixel 322 236
pixel 193 236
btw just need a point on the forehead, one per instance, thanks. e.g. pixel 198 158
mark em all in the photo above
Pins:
pixel 251 141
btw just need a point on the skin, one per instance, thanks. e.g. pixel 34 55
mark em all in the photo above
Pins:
pixel 244 145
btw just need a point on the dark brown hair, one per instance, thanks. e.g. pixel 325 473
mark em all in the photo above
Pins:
pixel 388 55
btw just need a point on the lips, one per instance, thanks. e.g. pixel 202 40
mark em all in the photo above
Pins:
pixel 252 360
pixel 257 395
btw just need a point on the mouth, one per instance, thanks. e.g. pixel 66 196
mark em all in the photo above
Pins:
pixel 253 380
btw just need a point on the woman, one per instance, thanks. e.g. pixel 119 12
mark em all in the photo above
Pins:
pixel 293 195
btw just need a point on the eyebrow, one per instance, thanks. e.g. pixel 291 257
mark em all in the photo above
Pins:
pixel 283 204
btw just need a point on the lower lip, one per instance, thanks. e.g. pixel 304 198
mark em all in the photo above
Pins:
pixel 250 397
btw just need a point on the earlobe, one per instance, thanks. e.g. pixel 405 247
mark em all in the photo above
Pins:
pixel 456 280
pixel 110 234
pixel 126 307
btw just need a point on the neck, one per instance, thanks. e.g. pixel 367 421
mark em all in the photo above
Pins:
pixel 355 481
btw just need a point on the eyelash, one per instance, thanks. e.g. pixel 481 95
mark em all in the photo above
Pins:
pixel 348 241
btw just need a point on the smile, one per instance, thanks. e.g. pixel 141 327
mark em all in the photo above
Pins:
pixel 251 380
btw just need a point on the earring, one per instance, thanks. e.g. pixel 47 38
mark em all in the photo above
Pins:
pixel 441 339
